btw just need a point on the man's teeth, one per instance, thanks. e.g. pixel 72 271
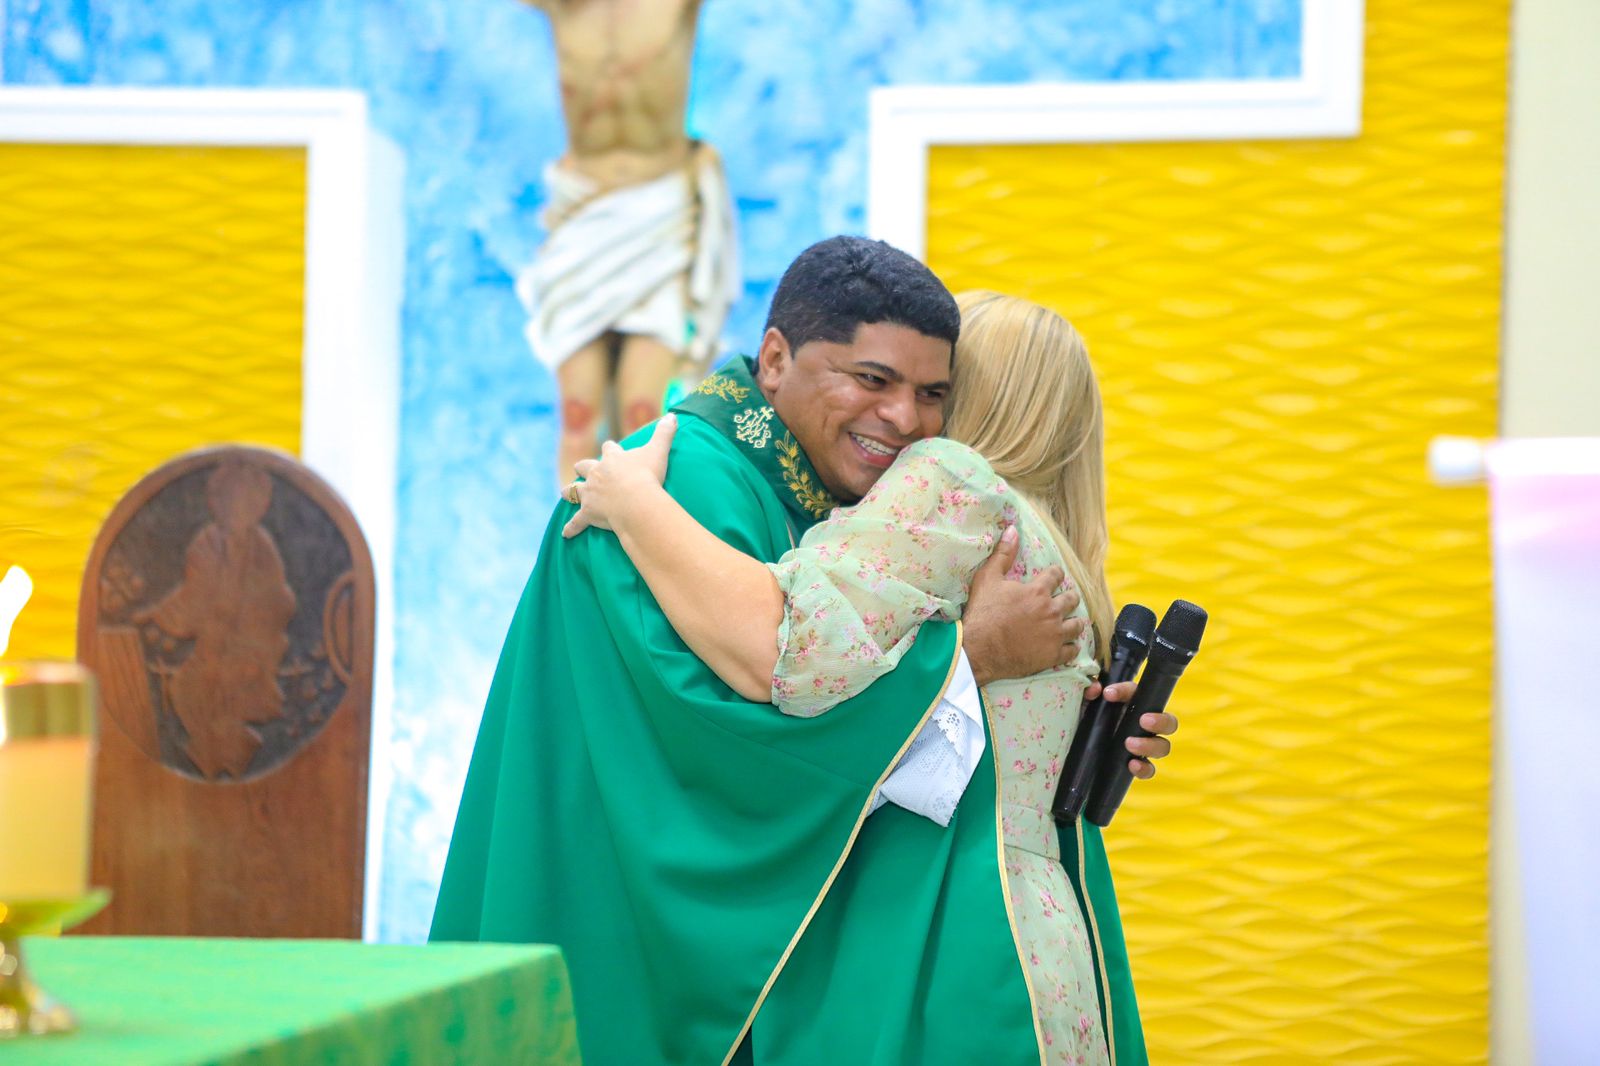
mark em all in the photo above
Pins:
pixel 873 446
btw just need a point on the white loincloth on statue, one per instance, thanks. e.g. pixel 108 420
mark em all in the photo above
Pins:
pixel 657 259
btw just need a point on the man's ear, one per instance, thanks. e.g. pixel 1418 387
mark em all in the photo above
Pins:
pixel 772 359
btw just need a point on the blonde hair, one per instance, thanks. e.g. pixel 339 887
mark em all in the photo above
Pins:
pixel 1027 401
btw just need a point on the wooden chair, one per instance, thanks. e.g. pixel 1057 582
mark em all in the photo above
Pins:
pixel 227 611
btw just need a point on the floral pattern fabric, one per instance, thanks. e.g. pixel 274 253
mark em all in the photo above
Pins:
pixel 857 588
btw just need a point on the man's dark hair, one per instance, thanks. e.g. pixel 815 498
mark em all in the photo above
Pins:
pixel 842 283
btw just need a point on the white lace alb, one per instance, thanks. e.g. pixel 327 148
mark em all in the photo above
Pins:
pixel 932 776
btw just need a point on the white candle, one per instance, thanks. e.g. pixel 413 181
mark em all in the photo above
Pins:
pixel 46 761
pixel 44 818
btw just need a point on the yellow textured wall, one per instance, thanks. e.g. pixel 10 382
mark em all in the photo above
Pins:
pixel 150 303
pixel 1279 329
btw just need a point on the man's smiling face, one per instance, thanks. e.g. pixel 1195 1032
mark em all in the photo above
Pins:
pixel 852 407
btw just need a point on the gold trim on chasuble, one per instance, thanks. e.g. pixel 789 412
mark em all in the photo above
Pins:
pixel 1099 950
pixel 849 844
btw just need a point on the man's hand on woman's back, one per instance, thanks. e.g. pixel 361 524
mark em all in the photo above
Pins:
pixel 1014 628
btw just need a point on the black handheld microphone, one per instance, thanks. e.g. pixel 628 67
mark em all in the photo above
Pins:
pixel 1176 641
pixel 1130 643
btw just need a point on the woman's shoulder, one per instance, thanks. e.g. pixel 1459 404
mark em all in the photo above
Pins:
pixel 956 462
pixel 939 476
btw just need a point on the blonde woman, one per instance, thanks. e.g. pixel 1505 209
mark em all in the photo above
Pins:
pixel 1021 466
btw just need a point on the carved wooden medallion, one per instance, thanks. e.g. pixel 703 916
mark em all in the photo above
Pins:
pixel 225 618
pixel 228 612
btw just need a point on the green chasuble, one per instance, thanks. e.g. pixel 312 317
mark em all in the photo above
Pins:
pixel 708 864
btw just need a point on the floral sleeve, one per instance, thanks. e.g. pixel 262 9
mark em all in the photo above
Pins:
pixel 861 583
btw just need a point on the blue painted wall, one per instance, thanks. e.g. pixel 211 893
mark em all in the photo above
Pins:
pixel 467 89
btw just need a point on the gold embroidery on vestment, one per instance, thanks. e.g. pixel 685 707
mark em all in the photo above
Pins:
pixel 724 388
pixel 811 496
pixel 754 426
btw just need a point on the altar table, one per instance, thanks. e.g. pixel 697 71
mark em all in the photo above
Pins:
pixel 149 1001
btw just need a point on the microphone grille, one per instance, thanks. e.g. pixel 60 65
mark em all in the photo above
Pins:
pixel 1138 620
pixel 1183 625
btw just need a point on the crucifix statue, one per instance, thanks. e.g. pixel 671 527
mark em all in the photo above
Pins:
pixel 632 286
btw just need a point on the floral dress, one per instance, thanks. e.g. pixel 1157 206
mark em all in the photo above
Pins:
pixel 856 590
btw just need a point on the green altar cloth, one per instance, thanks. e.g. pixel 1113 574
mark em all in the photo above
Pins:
pixel 183 1002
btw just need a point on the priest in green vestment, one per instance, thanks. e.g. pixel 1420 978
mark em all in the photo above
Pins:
pixel 716 872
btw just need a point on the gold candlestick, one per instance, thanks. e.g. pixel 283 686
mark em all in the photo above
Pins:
pixel 47 742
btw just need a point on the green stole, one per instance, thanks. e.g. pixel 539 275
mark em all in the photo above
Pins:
pixel 676 840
